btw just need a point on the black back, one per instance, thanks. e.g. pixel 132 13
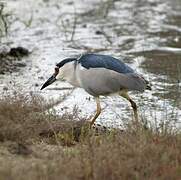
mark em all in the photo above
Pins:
pixel 104 61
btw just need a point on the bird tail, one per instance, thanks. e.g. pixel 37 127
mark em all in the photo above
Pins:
pixel 147 83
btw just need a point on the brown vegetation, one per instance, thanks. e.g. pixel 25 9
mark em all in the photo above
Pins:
pixel 37 144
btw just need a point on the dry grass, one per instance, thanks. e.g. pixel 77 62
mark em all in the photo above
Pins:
pixel 37 145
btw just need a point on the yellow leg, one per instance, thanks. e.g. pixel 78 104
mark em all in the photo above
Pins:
pixel 133 104
pixel 98 111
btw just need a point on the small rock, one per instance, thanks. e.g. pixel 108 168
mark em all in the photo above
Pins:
pixel 84 25
pixel 98 32
pixel 5 88
pixel 19 51
pixel 20 64
pixel 41 77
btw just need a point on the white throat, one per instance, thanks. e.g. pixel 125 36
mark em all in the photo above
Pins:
pixel 68 73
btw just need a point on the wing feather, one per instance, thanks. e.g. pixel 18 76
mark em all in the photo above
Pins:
pixel 103 61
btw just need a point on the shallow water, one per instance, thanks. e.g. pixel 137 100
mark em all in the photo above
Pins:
pixel 147 32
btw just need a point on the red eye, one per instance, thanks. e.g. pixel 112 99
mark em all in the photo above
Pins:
pixel 56 70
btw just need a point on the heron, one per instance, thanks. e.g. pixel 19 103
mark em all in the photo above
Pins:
pixel 100 75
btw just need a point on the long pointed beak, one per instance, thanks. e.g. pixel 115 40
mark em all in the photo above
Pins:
pixel 49 81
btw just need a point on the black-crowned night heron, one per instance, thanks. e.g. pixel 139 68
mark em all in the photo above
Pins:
pixel 100 75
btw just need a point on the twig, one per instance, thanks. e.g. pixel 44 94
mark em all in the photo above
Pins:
pixel 74 25
pixel 3 18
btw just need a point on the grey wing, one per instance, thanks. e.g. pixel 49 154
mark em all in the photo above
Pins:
pixel 100 81
pixel 133 81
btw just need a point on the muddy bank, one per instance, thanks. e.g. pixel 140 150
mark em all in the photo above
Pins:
pixel 37 145
pixel 11 59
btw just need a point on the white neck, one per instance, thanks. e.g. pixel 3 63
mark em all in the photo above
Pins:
pixel 68 72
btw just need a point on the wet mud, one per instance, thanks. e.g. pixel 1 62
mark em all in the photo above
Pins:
pixel 146 32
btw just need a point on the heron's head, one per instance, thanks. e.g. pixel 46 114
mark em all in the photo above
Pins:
pixel 61 71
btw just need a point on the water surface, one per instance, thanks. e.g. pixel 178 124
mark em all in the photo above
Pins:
pixel 146 32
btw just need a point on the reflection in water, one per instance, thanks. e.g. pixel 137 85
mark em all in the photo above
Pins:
pixel 152 29
pixel 149 31
pixel 167 70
